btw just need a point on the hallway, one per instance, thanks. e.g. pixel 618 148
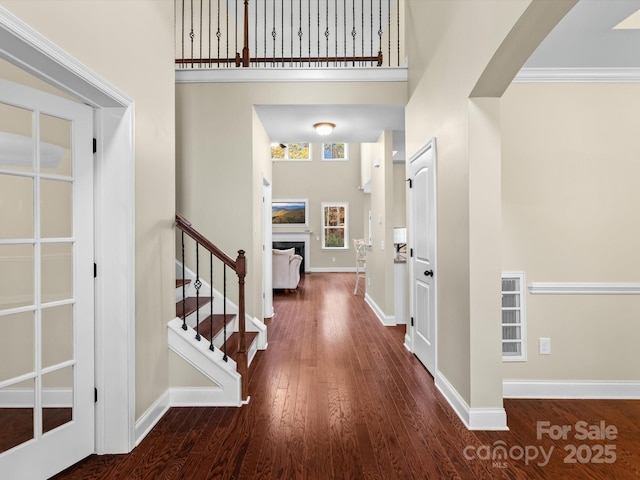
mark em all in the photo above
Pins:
pixel 336 395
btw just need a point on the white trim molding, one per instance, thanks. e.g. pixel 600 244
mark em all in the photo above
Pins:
pixel 152 416
pixel 629 390
pixel 261 75
pixel 386 320
pixel 576 288
pixel 473 418
pixel 578 75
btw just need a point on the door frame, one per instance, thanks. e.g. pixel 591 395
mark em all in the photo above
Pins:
pixel 409 338
pixel 114 222
pixel 267 245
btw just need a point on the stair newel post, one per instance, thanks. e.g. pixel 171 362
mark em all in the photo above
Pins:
pixel 243 358
pixel 224 312
pixel 197 284
pixel 184 289
pixel 211 347
pixel 245 48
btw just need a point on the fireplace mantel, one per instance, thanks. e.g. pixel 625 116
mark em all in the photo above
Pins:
pixel 296 237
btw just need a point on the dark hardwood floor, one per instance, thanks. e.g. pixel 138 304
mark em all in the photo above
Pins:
pixel 336 395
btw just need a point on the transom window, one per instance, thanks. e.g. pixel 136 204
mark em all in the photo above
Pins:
pixel 335 151
pixel 290 151
pixel 335 225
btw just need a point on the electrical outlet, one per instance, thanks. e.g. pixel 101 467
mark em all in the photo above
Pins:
pixel 544 345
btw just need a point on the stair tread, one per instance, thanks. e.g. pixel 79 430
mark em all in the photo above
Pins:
pixel 233 342
pixel 182 281
pixel 191 304
pixel 205 327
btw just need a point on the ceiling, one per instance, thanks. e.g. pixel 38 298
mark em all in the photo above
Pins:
pixel 585 38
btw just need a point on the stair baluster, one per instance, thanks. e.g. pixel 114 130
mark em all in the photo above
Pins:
pixel 184 290
pixel 211 347
pixel 224 311
pixel 197 285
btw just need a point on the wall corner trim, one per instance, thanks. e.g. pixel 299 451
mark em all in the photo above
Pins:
pixel 152 416
pixel 583 288
pixel 577 75
pixel 473 418
pixel 572 389
pixel 386 320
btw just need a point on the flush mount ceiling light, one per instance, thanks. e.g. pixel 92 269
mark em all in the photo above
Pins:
pixel 324 128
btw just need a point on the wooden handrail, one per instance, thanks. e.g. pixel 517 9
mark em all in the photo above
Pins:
pixel 185 225
pixel 245 60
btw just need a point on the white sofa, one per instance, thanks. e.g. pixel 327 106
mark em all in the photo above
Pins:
pixel 286 269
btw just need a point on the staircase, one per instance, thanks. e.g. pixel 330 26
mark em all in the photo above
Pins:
pixel 210 332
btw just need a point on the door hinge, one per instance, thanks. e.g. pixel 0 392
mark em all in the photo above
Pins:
pixel 95 395
pixel 411 252
pixel 412 321
pixel 95 271
pixel 410 182
pixel 95 145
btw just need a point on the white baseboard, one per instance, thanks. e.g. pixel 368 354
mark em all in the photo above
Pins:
pixel 199 397
pixel 473 418
pixel 332 270
pixel 572 389
pixel 151 417
pixel 386 320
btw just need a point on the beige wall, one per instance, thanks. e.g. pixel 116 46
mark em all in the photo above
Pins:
pixel 450 45
pixel 570 214
pixel 217 185
pixel 323 181
pixel 138 60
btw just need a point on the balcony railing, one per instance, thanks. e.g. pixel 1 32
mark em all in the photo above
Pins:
pixel 287 33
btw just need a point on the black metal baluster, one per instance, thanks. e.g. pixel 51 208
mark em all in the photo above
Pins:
pixel 265 34
pixel 218 34
pixel 197 284
pixel 226 33
pixel 184 290
pixel 236 27
pixel 335 14
pixel 344 31
pixel 371 30
pixel 300 31
pixel 318 62
pixel 255 33
pixel 274 34
pixel 389 33
pixel 361 31
pixel 326 31
pixel 398 22
pixel 282 30
pixel 191 34
pixel 224 311
pixel 291 35
pixel 182 32
pixel 309 30
pixel 211 347
pixel 380 26
pixel 353 31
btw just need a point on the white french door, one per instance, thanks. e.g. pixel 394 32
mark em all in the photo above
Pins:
pixel 46 283
pixel 422 198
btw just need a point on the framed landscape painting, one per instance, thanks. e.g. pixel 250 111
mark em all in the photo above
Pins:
pixel 290 213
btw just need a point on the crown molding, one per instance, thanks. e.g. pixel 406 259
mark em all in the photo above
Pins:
pixel 595 75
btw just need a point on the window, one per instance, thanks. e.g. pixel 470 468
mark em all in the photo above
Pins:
pixel 335 151
pixel 335 225
pixel 514 343
pixel 290 151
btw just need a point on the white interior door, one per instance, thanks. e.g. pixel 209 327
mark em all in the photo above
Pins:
pixel 46 283
pixel 422 198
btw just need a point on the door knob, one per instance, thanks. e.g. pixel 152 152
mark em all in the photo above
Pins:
pixel 428 273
